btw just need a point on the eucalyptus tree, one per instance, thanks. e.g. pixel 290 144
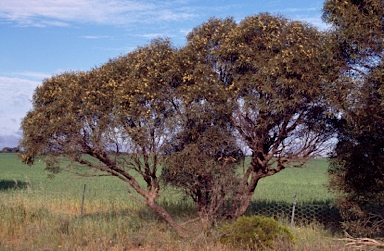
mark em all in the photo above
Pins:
pixel 280 71
pixel 265 79
pixel 115 119
pixel 357 171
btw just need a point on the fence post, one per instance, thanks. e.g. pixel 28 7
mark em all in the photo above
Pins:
pixel 82 201
pixel 293 211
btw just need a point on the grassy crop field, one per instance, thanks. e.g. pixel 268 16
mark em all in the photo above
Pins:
pixel 37 213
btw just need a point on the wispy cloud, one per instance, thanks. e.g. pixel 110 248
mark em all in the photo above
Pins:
pixel 298 9
pixel 153 35
pixel 185 31
pixel 64 12
pixel 169 15
pixel 95 37
pixel 24 77
pixel 34 75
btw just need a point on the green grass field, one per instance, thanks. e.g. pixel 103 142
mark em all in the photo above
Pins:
pixel 37 213
pixel 308 183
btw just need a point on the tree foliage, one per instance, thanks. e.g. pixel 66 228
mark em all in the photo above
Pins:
pixel 357 171
pixel 279 70
pixel 118 114
pixel 261 82
pixel 357 164
pixel 204 153
pixel 359 28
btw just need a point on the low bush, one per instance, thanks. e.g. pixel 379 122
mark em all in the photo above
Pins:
pixel 255 233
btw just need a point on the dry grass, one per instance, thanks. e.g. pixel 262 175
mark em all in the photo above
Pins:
pixel 27 225
pixel 44 214
pixel 313 237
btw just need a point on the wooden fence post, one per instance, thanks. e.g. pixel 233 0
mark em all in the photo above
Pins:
pixel 82 201
pixel 293 211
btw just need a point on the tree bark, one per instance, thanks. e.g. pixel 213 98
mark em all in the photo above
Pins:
pixel 159 210
pixel 246 195
pixel 247 188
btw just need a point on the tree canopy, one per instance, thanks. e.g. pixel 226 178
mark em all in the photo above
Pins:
pixel 119 114
pixel 357 172
pixel 279 73
pixel 262 82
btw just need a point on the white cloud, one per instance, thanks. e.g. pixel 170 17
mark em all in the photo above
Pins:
pixel 15 102
pixel 34 75
pixel 41 23
pixel 94 37
pixel 12 85
pixel 120 50
pixel 185 31
pixel 298 10
pixel 168 15
pixel 15 96
pixel 10 140
pixel 63 12
pixel 153 35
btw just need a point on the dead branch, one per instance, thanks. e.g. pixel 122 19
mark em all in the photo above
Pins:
pixel 359 243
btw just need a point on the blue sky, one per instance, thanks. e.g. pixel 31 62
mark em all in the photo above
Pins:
pixel 41 38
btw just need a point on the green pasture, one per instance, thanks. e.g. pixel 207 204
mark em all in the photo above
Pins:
pixel 66 188
pixel 307 183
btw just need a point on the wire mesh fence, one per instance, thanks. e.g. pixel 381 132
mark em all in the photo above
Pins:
pixel 324 214
pixel 85 195
pixel 301 213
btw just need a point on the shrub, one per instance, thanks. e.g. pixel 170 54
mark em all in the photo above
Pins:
pixel 361 219
pixel 255 233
